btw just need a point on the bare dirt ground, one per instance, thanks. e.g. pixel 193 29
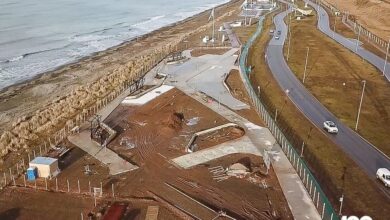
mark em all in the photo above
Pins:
pixel 217 137
pixel 239 92
pixel 334 76
pixel 164 125
pixel 373 14
pixel 30 204
pixel 204 51
pixel 158 131
pixel 325 159
pixel 26 98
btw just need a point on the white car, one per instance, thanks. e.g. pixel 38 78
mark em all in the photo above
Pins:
pixel 330 127
pixel 276 37
pixel 383 175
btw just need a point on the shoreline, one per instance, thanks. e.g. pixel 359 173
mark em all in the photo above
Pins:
pixel 34 110
pixel 57 70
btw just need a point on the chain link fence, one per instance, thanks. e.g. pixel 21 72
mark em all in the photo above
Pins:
pixel 318 197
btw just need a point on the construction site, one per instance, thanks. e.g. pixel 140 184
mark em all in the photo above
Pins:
pixel 199 128
pixel 166 148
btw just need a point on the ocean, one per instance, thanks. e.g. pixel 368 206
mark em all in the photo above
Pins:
pixel 40 35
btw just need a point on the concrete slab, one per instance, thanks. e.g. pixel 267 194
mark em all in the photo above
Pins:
pixel 115 163
pixel 301 205
pixel 241 145
pixel 206 74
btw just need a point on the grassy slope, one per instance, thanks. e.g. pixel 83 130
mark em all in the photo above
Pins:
pixel 330 66
pixel 326 160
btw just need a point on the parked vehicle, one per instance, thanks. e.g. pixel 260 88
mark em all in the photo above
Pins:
pixel 277 37
pixel 331 127
pixel 279 32
pixel 383 175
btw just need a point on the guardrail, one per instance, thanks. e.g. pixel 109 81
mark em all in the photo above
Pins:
pixel 319 198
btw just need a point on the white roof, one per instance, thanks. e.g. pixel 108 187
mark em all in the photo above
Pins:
pixel 43 160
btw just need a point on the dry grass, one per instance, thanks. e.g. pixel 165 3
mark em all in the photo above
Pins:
pixel 325 159
pixel 334 76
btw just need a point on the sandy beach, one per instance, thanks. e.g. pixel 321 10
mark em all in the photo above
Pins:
pixel 22 101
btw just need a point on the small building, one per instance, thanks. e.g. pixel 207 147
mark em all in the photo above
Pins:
pixel 47 167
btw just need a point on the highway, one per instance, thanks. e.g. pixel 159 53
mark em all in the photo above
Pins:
pixel 362 152
pixel 323 26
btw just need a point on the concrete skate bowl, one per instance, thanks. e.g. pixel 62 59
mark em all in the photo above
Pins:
pixel 211 137
pixel 140 139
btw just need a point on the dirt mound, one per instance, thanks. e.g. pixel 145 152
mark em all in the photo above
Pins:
pixel 237 132
pixel 174 121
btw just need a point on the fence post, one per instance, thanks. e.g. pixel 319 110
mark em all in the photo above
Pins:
pixel 24 180
pixel 56 185
pixel 318 198
pixel 113 192
pixel 46 183
pixel 67 181
pixel 78 185
pixel 323 211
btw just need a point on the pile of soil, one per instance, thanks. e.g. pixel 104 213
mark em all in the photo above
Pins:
pixel 174 121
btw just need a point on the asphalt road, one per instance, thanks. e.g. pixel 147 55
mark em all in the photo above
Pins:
pixel 353 45
pixel 362 152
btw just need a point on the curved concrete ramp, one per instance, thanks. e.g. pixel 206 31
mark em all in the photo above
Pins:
pixel 242 145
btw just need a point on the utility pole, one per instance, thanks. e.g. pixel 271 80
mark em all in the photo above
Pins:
pixel 334 26
pixel 360 105
pixel 358 39
pixel 342 195
pixel 304 73
pixel 289 42
pixel 387 52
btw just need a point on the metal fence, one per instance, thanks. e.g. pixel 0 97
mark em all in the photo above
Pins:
pixel 14 170
pixel 319 198
pixel 357 27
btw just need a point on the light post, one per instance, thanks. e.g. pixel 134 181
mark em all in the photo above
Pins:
pixel 289 42
pixel 387 52
pixel 334 25
pixel 360 105
pixel 304 72
pixel 358 39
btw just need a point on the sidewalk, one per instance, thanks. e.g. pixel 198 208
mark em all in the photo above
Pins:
pixel 115 163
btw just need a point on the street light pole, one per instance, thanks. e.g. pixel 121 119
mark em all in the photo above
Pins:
pixel 304 72
pixel 334 26
pixel 289 42
pixel 360 105
pixel 358 39
pixel 387 52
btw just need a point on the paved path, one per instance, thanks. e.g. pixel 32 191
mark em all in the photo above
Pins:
pixel 234 41
pixel 206 74
pixel 242 145
pixel 82 140
pixel 362 152
pixel 323 26
pixel 115 163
